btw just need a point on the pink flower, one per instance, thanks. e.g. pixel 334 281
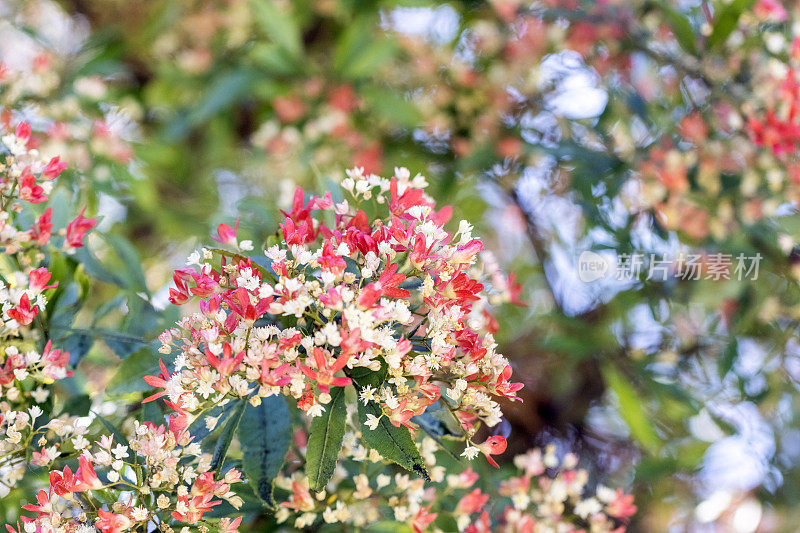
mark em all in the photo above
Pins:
pixel 23 131
pixel 622 506
pixel 109 522
pixel 226 234
pixel 423 519
pixel 76 230
pixel 472 502
pixel 38 279
pixel 771 10
pixel 54 167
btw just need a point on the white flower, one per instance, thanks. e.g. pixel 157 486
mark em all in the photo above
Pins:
pixel 470 452
pixel 367 394
pixel 139 514
pixel 372 421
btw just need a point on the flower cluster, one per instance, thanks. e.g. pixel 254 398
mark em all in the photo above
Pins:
pixel 158 478
pixel 20 432
pixel 25 370
pixel 397 294
pixel 547 494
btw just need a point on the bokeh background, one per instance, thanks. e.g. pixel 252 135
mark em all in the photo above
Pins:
pixel 556 127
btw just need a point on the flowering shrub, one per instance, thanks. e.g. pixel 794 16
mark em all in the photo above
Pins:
pixel 334 306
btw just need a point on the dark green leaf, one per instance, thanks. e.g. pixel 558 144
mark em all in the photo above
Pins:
pixel 325 441
pixel 129 377
pixel 78 405
pixel 265 436
pixel 225 439
pixel 393 443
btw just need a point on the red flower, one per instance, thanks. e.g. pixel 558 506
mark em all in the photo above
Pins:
pixel 197 506
pixel 42 503
pixel 324 373
pixel 63 483
pixel 180 294
pixel 227 364
pixel 241 306
pixel 28 190
pixel 40 232
pixel 399 204
pixel 54 168
pixel 297 233
pixel 387 285
pixel 493 446
pixel 504 388
pixel 23 131
pixel 87 478
pixel 159 381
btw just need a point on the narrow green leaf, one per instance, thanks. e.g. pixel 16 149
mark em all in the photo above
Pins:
pixel 130 261
pixel 728 357
pixel 726 21
pixel 325 441
pixel 265 435
pixel 225 439
pixel 632 410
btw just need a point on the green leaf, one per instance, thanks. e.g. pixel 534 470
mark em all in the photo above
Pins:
pixel 131 262
pixel 325 441
pixel 265 435
pixel 130 376
pixel 680 26
pixel 390 527
pixel 726 21
pixel 225 439
pixel 728 357
pixel 393 443
pixel 279 26
pixel 78 405
pixel 358 53
pixel 632 409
